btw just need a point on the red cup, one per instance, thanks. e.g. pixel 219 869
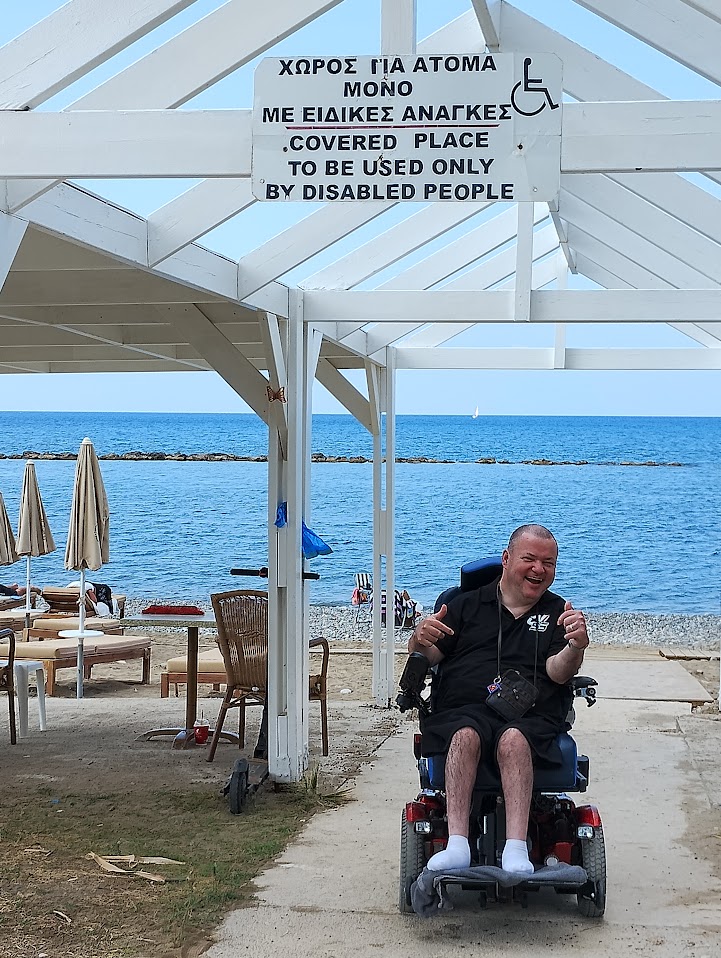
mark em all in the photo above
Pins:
pixel 201 734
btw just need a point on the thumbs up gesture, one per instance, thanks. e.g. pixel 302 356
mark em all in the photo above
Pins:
pixel 429 631
pixel 574 623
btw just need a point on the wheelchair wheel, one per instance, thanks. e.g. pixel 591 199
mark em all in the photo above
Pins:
pixel 593 859
pixel 413 860
pixel 238 786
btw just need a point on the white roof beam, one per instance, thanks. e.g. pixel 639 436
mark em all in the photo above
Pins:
pixel 398 27
pixel 562 236
pixel 86 346
pixel 93 288
pixel 225 358
pixel 448 357
pixel 626 275
pixel 434 335
pixel 393 244
pixel 345 392
pixel 12 231
pixel 189 63
pixel 453 256
pixel 70 42
pixel 502 266
pixel 132 143
pixel 662 229
pixel 488 20
pixel 73 213
pixel 390 333
pixel 674 195
pixel 547 306
pixel 674 28
pixel 613 262
pixel 481 241
pixel 194 213
pixel 708 7
pixel 236 320
pixel 300 242
pixel 631 244
pixel 667 136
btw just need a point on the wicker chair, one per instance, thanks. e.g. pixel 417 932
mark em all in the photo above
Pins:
pixel 241 618
pixel 7 679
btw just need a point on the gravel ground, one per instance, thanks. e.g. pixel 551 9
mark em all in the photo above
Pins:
pixel 339 623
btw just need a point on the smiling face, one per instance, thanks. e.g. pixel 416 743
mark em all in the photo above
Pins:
pixel 529 568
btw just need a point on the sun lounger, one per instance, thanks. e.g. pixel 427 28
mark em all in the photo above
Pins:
pixel 15 618
pixel 44 645
pixel 66 600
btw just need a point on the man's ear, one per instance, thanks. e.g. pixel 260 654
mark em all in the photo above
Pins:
pixel 504 558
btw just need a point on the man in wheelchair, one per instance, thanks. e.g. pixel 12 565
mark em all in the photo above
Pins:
pixel 505 654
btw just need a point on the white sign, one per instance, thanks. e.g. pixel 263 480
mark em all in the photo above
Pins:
pixel 475 127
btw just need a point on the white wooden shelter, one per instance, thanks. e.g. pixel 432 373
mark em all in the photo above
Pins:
pixel 88 286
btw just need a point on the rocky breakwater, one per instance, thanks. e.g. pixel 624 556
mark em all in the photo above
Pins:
pixel 319 457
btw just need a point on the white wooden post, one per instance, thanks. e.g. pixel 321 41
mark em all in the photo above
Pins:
pixel 389 526
pixel 383 545
pixel 559 344
pixel 287 653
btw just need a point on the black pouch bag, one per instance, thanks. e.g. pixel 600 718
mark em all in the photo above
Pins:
pixel 513 695
pixel 510 695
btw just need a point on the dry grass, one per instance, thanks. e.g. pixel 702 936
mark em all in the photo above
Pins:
pixel 55 901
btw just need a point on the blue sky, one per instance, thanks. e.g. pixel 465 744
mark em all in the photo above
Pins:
pixel 353 27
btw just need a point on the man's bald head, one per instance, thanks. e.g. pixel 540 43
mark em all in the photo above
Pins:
pixel 531 529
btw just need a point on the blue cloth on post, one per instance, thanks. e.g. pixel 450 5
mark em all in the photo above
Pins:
pixel 312 543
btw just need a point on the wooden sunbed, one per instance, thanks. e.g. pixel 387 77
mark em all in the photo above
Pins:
pixel 41 642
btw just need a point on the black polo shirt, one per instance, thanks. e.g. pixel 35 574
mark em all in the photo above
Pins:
pixel 471 654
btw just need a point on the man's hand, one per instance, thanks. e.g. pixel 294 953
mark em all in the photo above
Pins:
pixel 428 632
pixel 574 622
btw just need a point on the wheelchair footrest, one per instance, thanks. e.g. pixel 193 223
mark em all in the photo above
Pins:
pixel 428 891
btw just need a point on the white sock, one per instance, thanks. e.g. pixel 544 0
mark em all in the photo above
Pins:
pixel 456 854
pixel 515 857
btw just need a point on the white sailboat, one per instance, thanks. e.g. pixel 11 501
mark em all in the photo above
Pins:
pixel 475 414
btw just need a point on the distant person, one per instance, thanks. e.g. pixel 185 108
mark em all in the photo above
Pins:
pixel 101 598
pixel 18 590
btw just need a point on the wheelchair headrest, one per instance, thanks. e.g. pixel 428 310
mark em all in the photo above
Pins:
pixel 474 575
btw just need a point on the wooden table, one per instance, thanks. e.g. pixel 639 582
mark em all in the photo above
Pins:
pixel 185 736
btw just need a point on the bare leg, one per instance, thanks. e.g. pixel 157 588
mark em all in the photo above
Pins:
pixel 462 760
pixel 461 767
pixel 516 767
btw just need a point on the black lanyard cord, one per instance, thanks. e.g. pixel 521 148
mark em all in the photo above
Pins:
pixel 500 636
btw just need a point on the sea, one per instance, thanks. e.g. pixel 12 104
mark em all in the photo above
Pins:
pixel 633 537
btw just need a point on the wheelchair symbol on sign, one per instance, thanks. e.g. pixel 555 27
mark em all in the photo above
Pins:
pixel 527 90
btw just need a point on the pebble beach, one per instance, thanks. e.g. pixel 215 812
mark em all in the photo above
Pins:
pixel 341 624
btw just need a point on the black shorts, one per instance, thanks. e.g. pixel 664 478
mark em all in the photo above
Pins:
pixel 540 731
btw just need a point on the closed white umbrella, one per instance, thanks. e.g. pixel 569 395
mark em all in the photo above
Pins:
pixel 34 535
pixel 8 549
pixel 89 531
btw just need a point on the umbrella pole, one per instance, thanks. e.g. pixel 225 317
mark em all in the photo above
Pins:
pixel 81 630
pixel 27 593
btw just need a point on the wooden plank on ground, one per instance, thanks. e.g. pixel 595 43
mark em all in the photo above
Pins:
pixel 689 655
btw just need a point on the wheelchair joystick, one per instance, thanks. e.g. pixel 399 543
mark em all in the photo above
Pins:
pixel 412 682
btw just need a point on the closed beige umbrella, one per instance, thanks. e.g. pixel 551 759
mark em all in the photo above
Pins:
pixel 89 531
pixel 8 551
pixel 34 536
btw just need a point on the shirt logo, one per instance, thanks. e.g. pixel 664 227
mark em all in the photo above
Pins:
pixel 538 623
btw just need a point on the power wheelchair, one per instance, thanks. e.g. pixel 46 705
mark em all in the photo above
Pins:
pixel 565 840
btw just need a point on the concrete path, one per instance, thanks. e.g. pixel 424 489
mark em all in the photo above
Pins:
pixel 334 892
